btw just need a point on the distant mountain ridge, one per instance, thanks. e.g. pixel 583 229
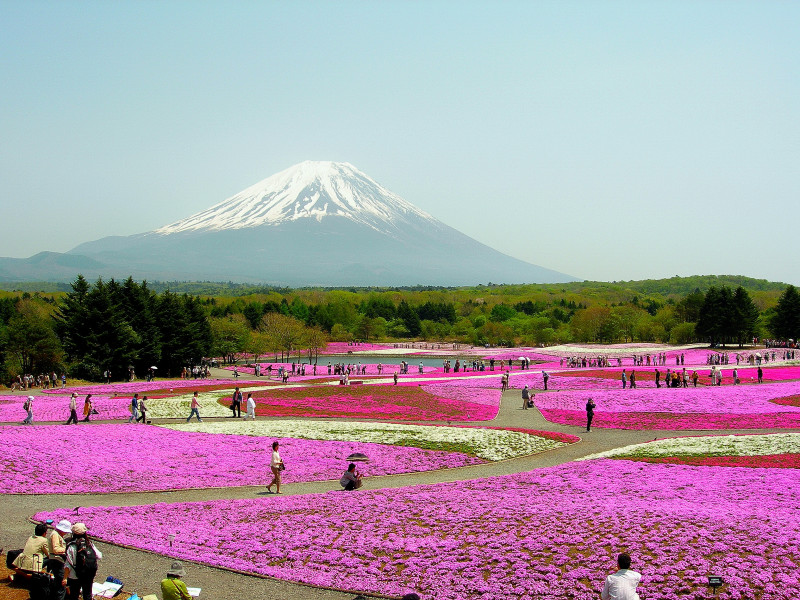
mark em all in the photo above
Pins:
pixel 314 224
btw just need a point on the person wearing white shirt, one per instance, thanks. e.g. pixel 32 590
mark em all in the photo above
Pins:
pixel 251 407
pixel 622 584
pixel 276 466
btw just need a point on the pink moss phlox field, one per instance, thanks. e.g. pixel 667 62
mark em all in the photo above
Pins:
pixel 466 391
pixel 56 408
pixel 742 399
pixel 573 381
pixel 552 533
pixel 767 461
pixel 674 421
pixel 387 402
pixel 137 458
pixel 322 370
pixel 727 407
pixel 132 387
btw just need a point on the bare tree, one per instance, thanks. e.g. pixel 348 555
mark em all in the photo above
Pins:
pixel 284 333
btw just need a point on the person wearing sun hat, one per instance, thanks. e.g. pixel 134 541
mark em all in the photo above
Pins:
pixel 81 566
pixel 28 406
pixel 172 588
pixel 58 539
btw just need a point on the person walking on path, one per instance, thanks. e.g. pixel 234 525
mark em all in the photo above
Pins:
pixel 525 397
pixel 622 584
pixel 28 407
pixel 633 378
pixel 73 410
pixel 545 377
pixel 142 411
pixel 134 409
pixel 395 377
pixel 195 406
pixel 236 403
pixel 590 405
pixel 251 407
pixel 624 379
pixel 760 375
pixel 87 408
pixel 276 466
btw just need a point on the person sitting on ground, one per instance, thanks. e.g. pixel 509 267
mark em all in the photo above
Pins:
pixel 58 540
pixel 351 480
pixel 622 584
pixel 36 550
pixel 172 588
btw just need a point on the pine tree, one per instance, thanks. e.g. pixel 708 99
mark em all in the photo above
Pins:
pixel 785 323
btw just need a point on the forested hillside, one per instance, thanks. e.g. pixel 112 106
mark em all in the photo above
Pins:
pixel 111 325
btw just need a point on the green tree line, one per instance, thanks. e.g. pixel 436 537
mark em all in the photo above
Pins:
pixel 116 325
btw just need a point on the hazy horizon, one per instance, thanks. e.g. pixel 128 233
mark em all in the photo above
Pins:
pixel 610 141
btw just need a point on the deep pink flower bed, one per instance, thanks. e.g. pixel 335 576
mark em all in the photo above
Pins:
pixel 772 461
pixel 138 458
pixel 787 400
pixel 549 534
pixel 674 421
pixel 409 402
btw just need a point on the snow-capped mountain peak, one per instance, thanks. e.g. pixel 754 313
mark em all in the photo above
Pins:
pixel 311 189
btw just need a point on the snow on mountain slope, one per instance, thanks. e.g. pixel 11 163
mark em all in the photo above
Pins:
pixel 310 190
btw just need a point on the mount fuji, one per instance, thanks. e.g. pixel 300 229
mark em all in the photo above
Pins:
pixel 317 223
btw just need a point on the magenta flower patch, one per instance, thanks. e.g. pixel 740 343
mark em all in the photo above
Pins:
pixel 552 533
pixel 140 458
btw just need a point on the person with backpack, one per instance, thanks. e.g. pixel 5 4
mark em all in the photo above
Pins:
pixel 28 407
pixel 81 564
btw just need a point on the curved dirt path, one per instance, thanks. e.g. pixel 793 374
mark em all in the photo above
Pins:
pixel 141 571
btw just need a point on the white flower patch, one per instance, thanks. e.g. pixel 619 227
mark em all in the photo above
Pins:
pixel 489 444
pixel 711 445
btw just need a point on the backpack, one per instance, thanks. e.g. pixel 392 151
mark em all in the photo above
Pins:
pixel 27 405
pixel 85 558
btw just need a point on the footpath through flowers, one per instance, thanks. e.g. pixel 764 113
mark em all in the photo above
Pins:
pixel 683 507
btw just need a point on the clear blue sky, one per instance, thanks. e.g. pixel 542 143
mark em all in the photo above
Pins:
pixel 608 140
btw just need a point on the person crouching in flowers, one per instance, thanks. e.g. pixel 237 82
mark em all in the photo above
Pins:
pixel 351 480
